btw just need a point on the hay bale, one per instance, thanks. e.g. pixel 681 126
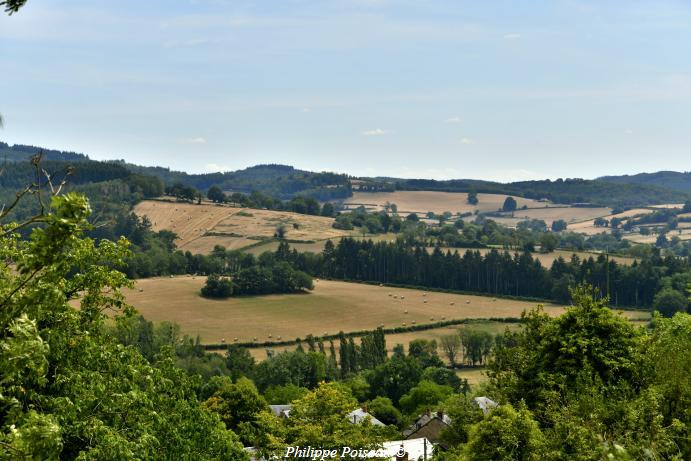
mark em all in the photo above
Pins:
pixel 425 301
pixel 467 301
pixel 405 312
pixel 451 304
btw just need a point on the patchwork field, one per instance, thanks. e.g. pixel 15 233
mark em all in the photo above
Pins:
pixel 201 227
pixel 437 202
pixel 331 307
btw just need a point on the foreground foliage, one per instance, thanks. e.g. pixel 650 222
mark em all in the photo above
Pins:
pixel 70 391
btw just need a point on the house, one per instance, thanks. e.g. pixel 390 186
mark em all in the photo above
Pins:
pixel 429 426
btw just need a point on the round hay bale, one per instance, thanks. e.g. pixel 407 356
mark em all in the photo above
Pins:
pixel 402 297
pixel 425 301
pixel 467 302
pixel 270 335
pixel 141 290
pixel 404 324
pixel 451 304
pixel 405 312
pixel 443 318
pixel 413 322
pixel 431 319
pixel 235 339
pixel 278 337
pixel 254 339
pixel 223 340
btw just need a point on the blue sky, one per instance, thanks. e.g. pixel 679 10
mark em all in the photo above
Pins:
pixel 411 88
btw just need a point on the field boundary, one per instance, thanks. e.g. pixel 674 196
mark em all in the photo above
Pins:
pixel 357 333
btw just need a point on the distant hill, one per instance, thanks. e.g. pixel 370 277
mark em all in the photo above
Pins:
pixel 19 152
pixel 284 182
pixel 668 179
pixel 278 181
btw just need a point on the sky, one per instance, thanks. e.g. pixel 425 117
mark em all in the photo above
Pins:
pixel 496 90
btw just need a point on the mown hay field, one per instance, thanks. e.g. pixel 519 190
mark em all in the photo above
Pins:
pixel 331 307
pixel 201 227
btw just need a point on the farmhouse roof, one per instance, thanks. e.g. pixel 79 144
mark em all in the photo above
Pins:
pixel 424 420
pixel 485 404
pixel 358 415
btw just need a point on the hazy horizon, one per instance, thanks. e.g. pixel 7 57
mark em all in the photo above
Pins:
pixel 413 88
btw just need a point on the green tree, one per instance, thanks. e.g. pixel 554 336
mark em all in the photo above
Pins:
pixel 216 195
pixel 472 198
pixel 669 301
pixel 426 395
pixel 237 403
pixel 68 389
pixel 463 412
pixel 217 287
pixel 505 435
pixel 384 410
pixel 559 225
pixel 319 419
pixel 509 204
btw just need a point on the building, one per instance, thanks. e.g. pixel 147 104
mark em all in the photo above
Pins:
pixel 282 411
pixel 430 426
pixel 358 415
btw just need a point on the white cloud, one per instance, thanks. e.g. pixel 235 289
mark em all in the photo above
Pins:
pixel 467 141
pixel 198 140
pixel 512 36
pixel 454 120
pixel 375 132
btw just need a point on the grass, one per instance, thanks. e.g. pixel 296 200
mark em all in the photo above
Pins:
pixel 331 307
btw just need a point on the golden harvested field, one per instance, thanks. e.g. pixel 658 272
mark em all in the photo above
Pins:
pixel 201 227
pixel 438 202
pixel 331 307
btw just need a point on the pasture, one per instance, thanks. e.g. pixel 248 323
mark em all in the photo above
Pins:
pixel 201 227
pixel 331 307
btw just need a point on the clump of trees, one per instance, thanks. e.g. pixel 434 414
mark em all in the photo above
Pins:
pixel 270 274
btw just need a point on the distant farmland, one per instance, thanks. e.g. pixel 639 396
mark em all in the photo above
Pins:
pixel 331 307
pixel 201 227
pixel 437 202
